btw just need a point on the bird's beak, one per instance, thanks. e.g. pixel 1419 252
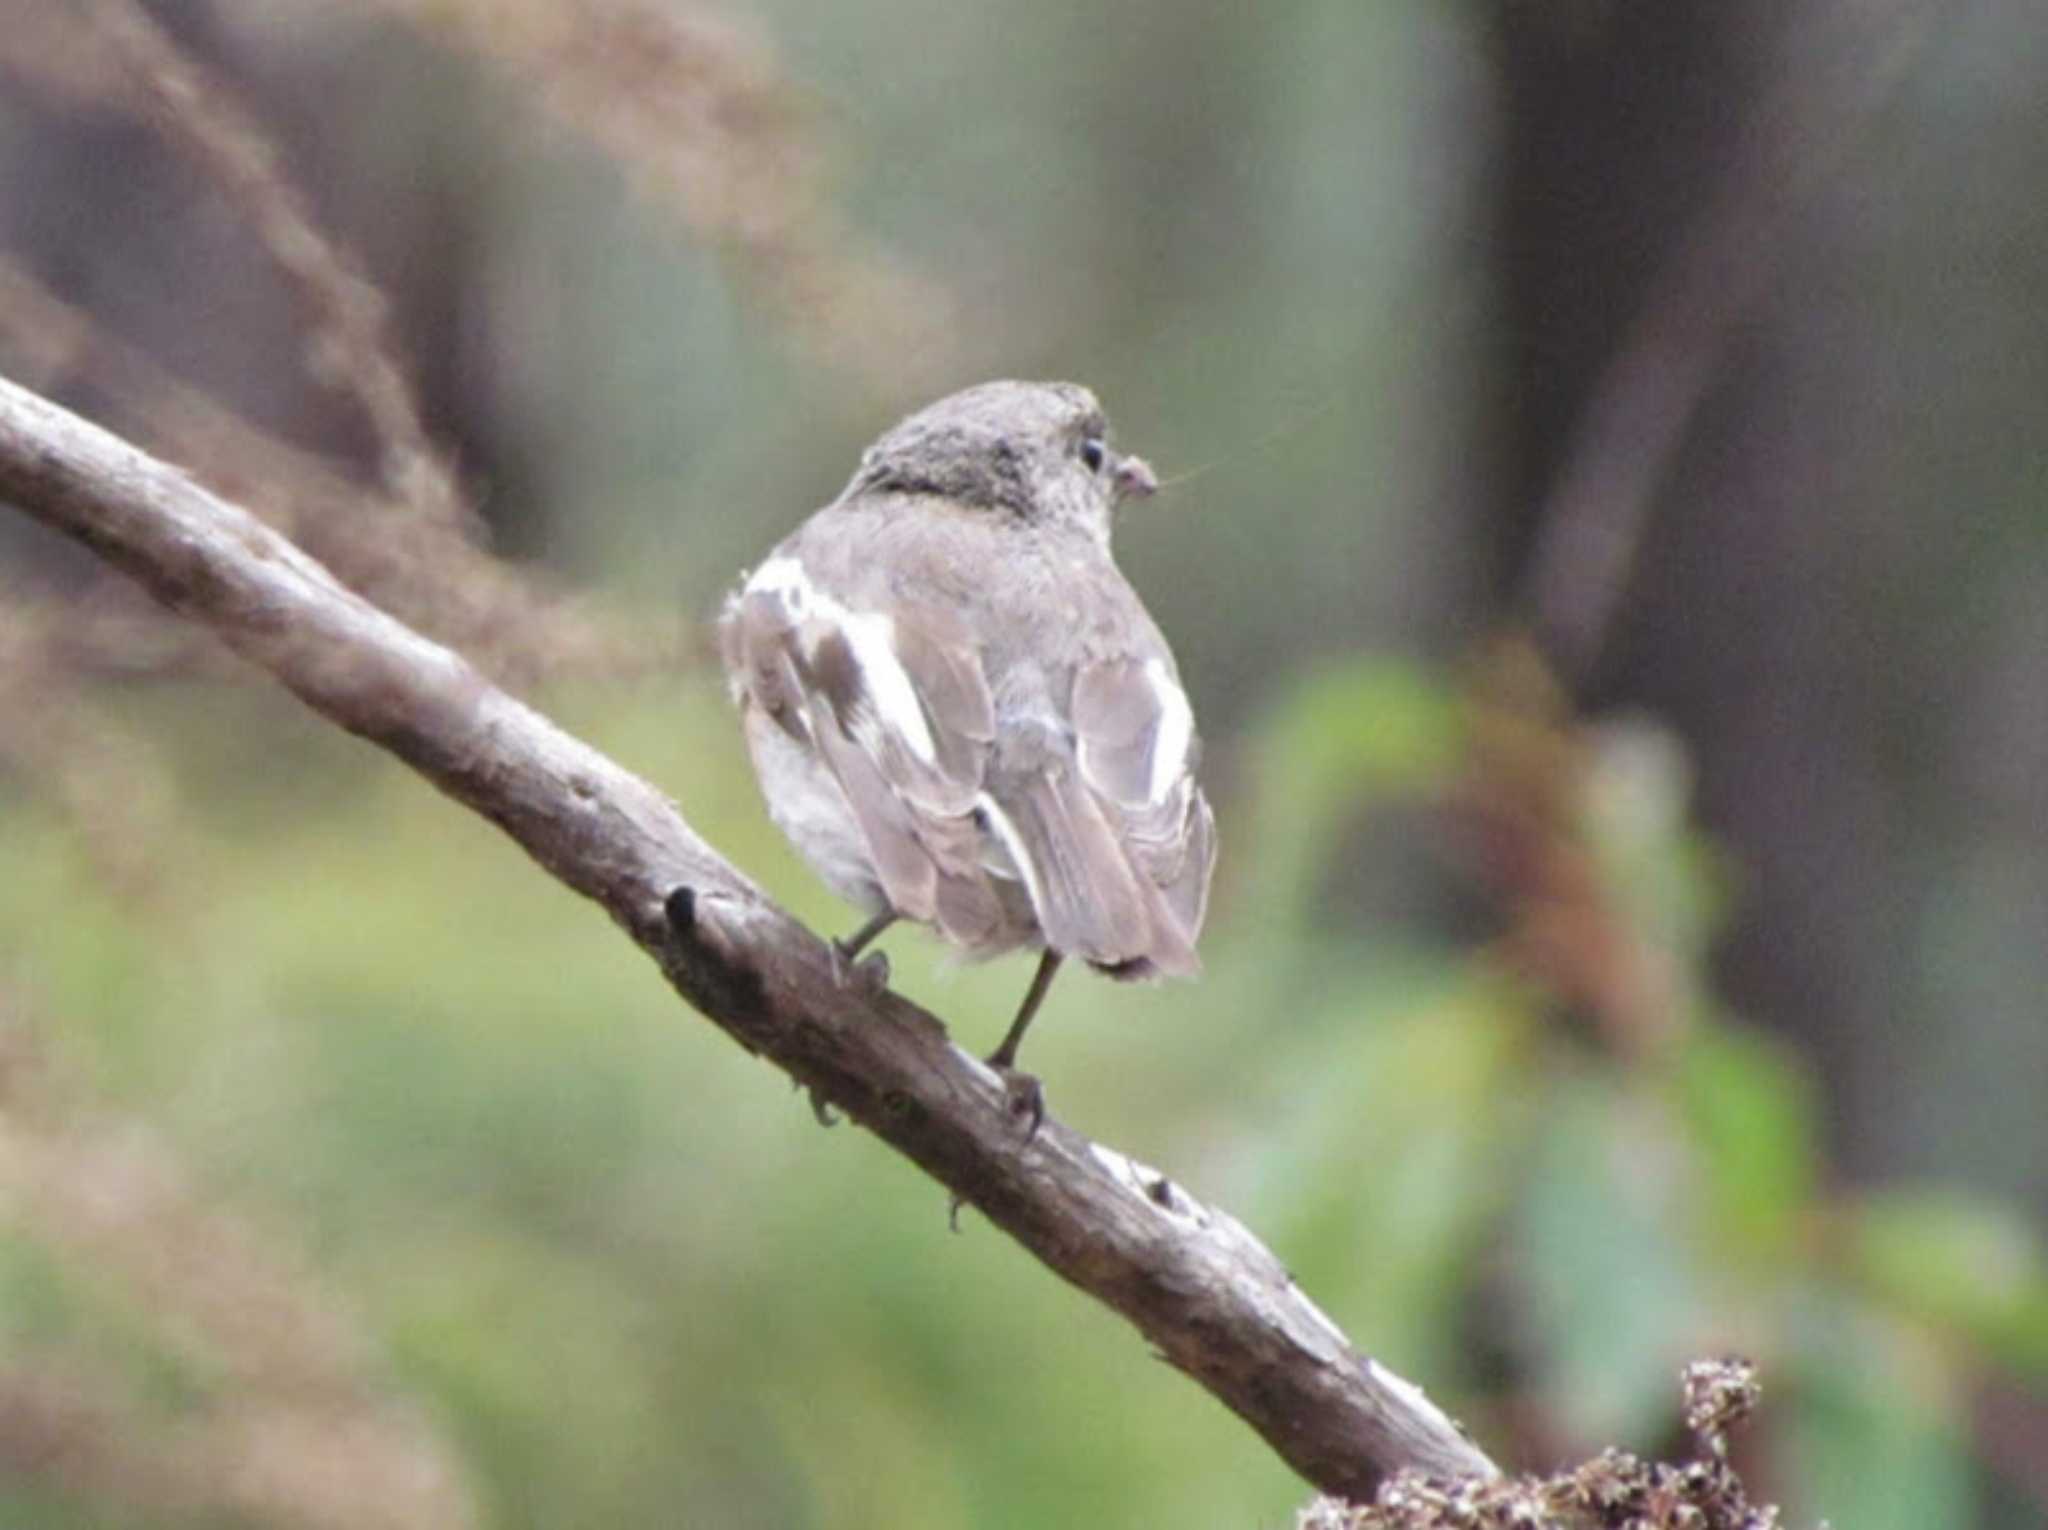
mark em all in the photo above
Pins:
pixel 1135 479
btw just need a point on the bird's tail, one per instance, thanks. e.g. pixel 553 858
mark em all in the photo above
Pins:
pixel 1092 901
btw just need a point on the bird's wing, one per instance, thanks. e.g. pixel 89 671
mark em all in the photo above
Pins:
pixel 1135 745
pixel 896 707
pixel 1106 826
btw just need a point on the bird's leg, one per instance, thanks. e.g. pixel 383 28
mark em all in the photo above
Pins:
pixel 1005 1056
pixel 872 974
pixel 1026 1097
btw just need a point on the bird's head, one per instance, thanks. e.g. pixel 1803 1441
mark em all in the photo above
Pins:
pixel 1036 451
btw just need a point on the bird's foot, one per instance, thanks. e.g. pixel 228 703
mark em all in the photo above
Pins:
pixel 1024 1095
pixel 869 974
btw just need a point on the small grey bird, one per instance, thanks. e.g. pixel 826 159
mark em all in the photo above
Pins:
pixel 959 710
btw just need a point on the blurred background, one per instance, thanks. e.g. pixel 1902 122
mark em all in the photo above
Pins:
pixel 1607 544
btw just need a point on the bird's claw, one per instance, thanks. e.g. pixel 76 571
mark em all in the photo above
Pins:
pixel 1024 1096
pixel 869 974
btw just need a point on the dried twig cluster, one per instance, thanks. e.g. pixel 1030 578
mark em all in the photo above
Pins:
pixel 1616 1490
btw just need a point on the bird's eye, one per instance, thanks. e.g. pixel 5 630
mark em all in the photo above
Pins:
pixel 1093 454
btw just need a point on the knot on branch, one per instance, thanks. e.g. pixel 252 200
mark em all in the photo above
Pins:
pixel 706 974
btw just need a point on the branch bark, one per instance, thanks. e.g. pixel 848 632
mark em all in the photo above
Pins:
pixel 1201 1289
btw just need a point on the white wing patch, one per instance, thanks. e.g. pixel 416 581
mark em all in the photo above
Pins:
pixel 784 577
pixel 1176 731
pixel 872 637
pixel 1018 865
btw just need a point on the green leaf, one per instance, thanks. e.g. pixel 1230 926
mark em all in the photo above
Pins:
pixel 1874 1439
pixel 1750 1111
pixel 1958 1261
pixel 1349 736
pixel 1381 1182
pixel 1637 806
pixel 1614 1301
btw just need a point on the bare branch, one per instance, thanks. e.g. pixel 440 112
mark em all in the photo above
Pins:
pixel 1206 1293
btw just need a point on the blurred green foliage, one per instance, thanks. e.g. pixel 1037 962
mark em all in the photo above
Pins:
pixel 633 1281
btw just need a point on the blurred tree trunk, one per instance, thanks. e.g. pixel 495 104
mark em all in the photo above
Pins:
pixel 1621 125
